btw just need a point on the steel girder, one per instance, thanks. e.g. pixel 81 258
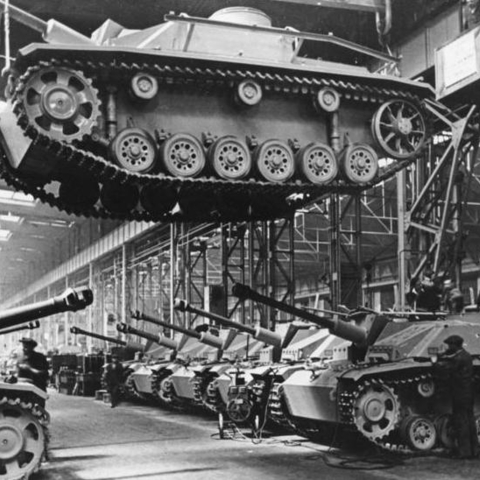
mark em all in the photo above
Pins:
pixel 437 193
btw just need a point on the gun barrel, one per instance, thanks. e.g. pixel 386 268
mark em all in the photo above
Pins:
pixel 26 18
pixel 342 329
pixel 159 339
pixel 258 333
pixel 72 299
pixel 148 318
pixel 203 337
pixel 28 326
pixel 79 331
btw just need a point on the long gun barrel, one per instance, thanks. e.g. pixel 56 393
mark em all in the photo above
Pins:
pixel 79 331
pixel 28 326
pixel 259 333
pixel 203 337
pixel 156 338
pixel 340 328
pixel 52 31
pixel 70 300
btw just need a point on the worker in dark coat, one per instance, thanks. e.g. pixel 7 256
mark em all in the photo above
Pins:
pixel 113 380
pixel 32 366
pixel 455 366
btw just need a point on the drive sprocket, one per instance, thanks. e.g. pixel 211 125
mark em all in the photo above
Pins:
pixel 59 102
pixel 376 410
pixel 23 440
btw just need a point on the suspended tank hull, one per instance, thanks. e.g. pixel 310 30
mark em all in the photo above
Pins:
pixel 178 123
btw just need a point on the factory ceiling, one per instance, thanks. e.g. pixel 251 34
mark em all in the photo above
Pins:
pixel 29 230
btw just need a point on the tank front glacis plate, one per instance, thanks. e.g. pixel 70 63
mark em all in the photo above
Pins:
pixel 143 380
pixel 312 396
pixel 182 383
pixel 226 139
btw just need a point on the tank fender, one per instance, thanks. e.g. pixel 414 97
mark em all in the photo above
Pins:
pixel 357 374
pixel 24 387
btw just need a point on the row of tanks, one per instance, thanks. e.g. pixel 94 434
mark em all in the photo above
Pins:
pixel 367 376
pixel 225 118
pixel 24 419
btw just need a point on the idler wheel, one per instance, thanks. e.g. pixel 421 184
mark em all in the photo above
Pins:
pixel 359 163
pixel 183 155
pixel 376 411
pixel 144 86
pixel 83 192
pixel 328 99
pixel 134 149
pixel 419 432
pixel 119 199
pixel 61 103
pixel 158 200
pixel 398 127
pixel 22 441
pixel 248 93
pixel 230 158
pixel 275 161
pixel 317 163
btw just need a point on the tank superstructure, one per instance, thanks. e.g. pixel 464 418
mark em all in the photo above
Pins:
pixel 24 420
pixel 382 384
pixel 191 382
pixel 247 387
pixel 204 119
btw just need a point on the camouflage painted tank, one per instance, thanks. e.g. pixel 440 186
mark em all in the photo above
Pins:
pixel 381 383
pixel 223 118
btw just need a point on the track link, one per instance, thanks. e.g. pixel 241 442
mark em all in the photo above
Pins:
pixel 74 156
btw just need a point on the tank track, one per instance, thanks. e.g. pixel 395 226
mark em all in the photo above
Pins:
pixel 169 396
pixel 103 170
pixel 130 390
pixel 38 412
pixel 276 410
pixel 393 440
pixel 158 394
pixel 212 399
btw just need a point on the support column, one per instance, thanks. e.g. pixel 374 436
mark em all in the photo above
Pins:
pixel 401 246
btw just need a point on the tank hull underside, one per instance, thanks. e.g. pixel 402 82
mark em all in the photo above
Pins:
pixel 195 114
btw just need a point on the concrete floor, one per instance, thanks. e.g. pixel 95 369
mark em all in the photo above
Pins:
pixel 91 441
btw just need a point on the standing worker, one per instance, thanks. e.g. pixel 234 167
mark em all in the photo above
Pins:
pixel 113 380
pixel 32 366
pixel 455 366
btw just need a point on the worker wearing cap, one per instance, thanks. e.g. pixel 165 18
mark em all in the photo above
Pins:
pixel 32 366
pixel 457 368
pixel 113 380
